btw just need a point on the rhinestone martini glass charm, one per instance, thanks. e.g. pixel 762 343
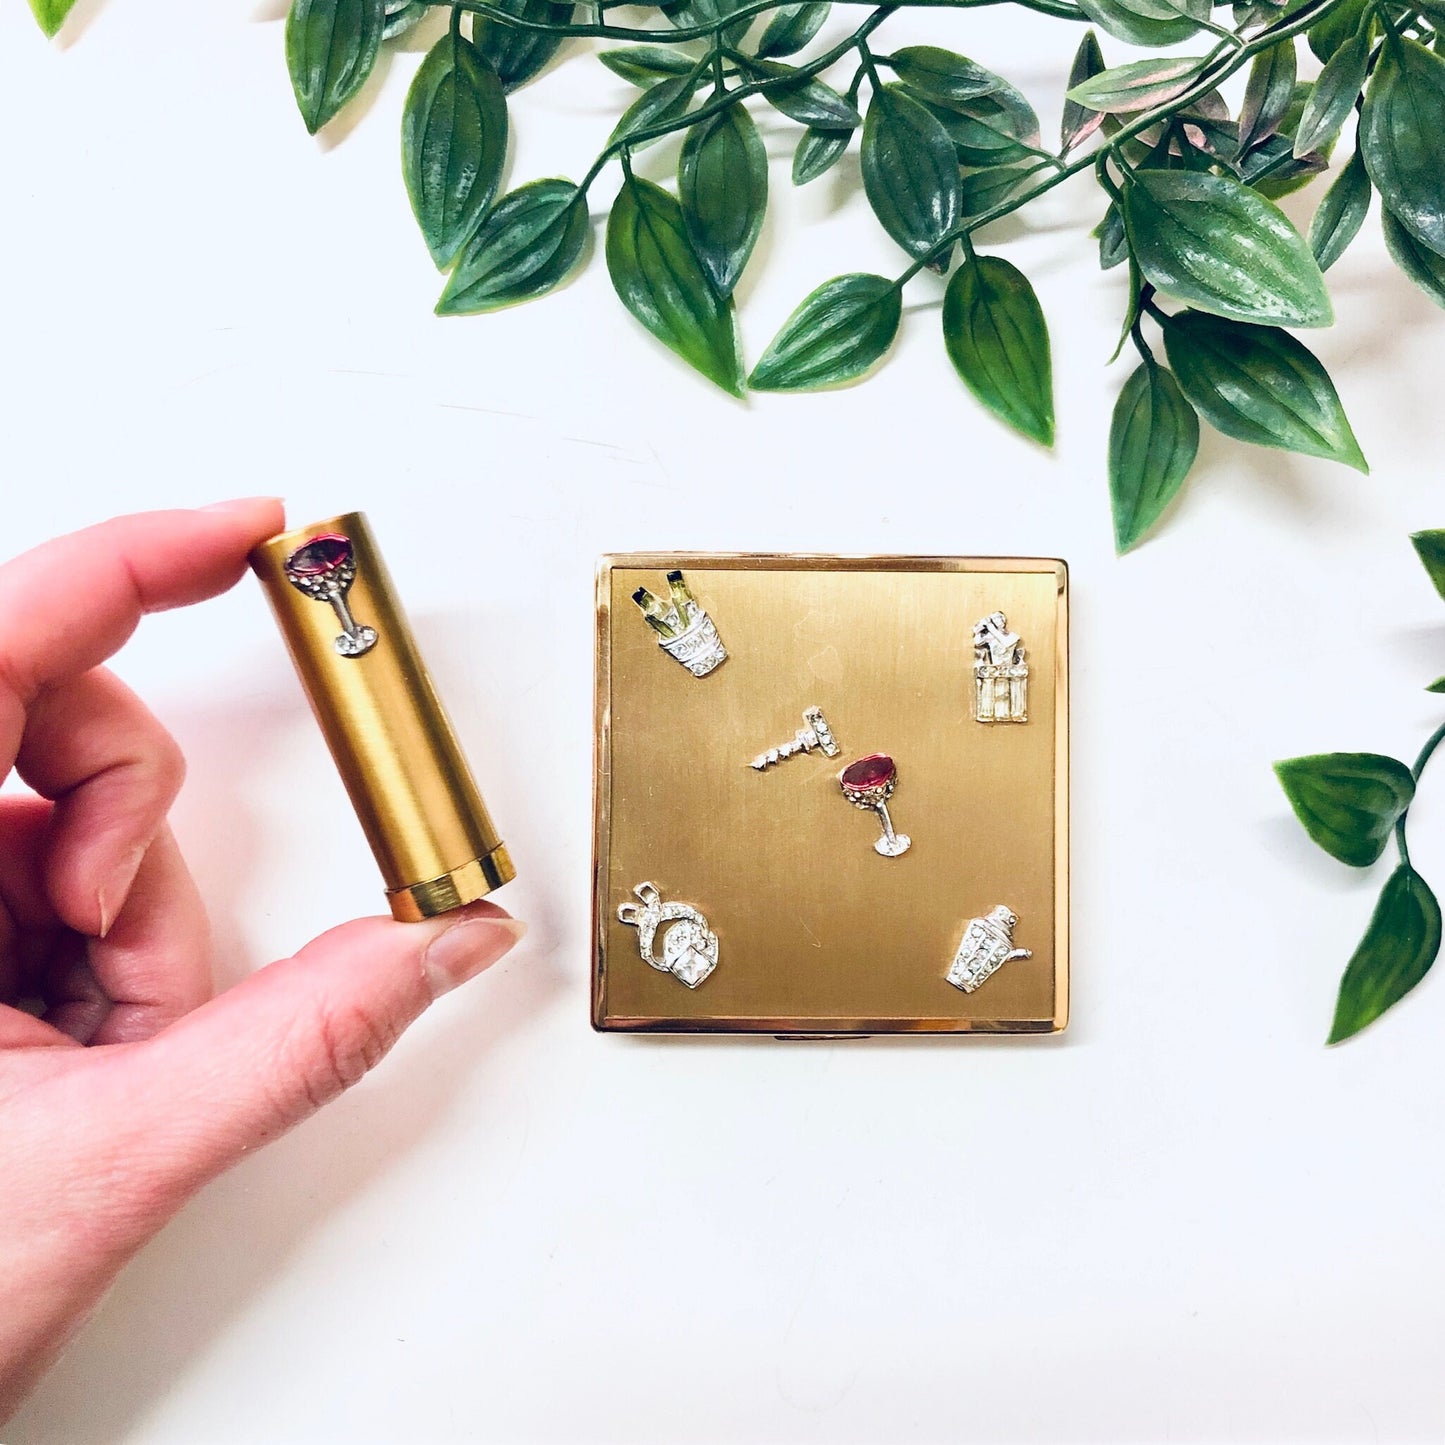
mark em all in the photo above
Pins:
pixel 324 569
pixel 869 783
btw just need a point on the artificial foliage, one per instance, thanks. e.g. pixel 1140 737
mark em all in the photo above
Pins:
pixel 1216 277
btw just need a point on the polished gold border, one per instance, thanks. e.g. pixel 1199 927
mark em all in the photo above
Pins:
pixel 785 1026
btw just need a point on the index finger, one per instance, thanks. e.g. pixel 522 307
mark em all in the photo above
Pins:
pixel 69 604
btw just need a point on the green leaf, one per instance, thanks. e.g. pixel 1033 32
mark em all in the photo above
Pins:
pixel 331 47
pixel 836 335
pixel 1401 127
pixel 453 144
pixel 994 129
pixel 1334 95
pixel 51 13
pixel 657 105
pixel 1430 548
pixel 942 77
pixel 527 244
pixel 402 17
pixel 998 341
pixel 647 64
pixel 516 53
pixel 1341 213
pixel 1078 121
pixel 1152 445
pixel 1349 803
pixel 1267 94
pixel 691 13
pixel 663 284
pixel 1113 239
pixel 909 171
pixel 1139 85
pixel 1152 23
pixel 1258 384
pixel 1335 27
pixel 805 99
pixel 983 190
pixel 817 152
pixel 1396 952
pixel 723 186
pixel 791 28
pixel 1419 263
pixel 1215 243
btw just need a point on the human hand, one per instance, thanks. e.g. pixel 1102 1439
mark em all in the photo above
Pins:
pixel 133 1086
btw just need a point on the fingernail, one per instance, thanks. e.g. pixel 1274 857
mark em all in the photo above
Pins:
pixel 466 948
pixel 239 504
pixel 114 891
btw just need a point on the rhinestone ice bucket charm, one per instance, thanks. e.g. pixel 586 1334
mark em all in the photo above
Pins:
pixel 683 629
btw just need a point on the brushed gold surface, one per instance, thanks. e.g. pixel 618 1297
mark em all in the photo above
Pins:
pixel 393 745
pixel 818 934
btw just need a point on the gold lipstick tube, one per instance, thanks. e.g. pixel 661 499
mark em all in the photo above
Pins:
pixel 396 752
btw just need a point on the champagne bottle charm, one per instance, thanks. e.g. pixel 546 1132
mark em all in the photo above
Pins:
pixel 684 631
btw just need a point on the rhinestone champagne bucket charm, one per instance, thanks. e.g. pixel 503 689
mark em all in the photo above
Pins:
pixel 869 783
pixel 1000 672
pixel 684 630
pixel 689 947
pixel 324 569
pixel 988 944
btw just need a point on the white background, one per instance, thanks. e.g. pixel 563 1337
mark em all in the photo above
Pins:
pixel 1183 1220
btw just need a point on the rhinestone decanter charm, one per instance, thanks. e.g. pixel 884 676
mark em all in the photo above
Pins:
pixel 988 944
pixel 684 630
pixel 869 783
pixel 324 569
pixel 689 947
pixel 814 734
pixel 1000 672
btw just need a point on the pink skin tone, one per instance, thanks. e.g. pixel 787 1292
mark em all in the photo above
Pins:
pixel 137 1085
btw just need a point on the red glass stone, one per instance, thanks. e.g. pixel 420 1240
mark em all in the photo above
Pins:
pixel 874 771
pixel 320 555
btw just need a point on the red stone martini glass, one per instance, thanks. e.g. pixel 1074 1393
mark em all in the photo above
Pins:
pixel 324 569
pixel 869 783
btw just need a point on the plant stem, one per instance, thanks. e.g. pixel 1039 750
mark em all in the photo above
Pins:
pixel 1431 743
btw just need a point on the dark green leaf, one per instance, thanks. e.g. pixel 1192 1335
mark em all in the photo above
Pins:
pixel 1152 444
pixel 1113 239
pixel 1336 26
pixel 818 151
pixel 998 341
pixel 1139 85
pixel 647 64
pixel 1078 122
pixel 690 13
pixel 402 18
pixel 515 53
pixel 1349 803
pixel 527 244
pixel 1394 955
pixel 663 284
pixel 1437 686
pixel 909 171
pixel 791 28
pixel 51 13
pixel 1334 95
pixel 1213 242
pixel 983 190
pixel 805 100
pixel 1341 213
pixel 331 47
pixel 723 186
pixel 657 105
pixel 1430 549
pixel 453 144
pixel 1273 169
pixel 996 129
pixel 836 335
pixel 1151 23
pixel 1268 93
pixel 1401 128
pixel 1419 263
pixel 941 77
pixel 1258 384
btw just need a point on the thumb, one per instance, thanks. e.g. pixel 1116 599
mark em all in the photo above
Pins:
pixel 264 1055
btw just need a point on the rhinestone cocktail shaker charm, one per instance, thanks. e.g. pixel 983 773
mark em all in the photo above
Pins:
pixel 1000 672
pixel 869 783
pixel 988 944
pixel 683 629
pixel 406 775
pixel 689 946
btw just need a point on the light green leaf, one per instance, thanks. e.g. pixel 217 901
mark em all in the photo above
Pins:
pixel 1139 85
pixel 1222 247
pixel 1430 549
pixel 1349 803
pixel 1152 445
pixel 723 186
pixel 909 171
pixel 1258 384
pixel 453 144
pixel 645 65
pixel 1399 946
pixel 1334 95
pixel 1341 213
pixel 331 47
pixel 51 13
pixel 527 244
pixel 1401 127
pixel 791 28
pixel 517 53
pixel 1419 263
pixel 998 341
pixel 817 152
pixel 1267 94
pixel 1078 121
pixel 941 77
pixel 663 284
pixel 837 334
pixel 1151 23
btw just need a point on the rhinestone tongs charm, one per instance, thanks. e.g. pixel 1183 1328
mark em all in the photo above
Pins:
pixel 324 569
pixel 689 947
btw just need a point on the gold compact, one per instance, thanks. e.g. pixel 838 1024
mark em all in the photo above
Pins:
pixel 396 752
pixel 846 813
